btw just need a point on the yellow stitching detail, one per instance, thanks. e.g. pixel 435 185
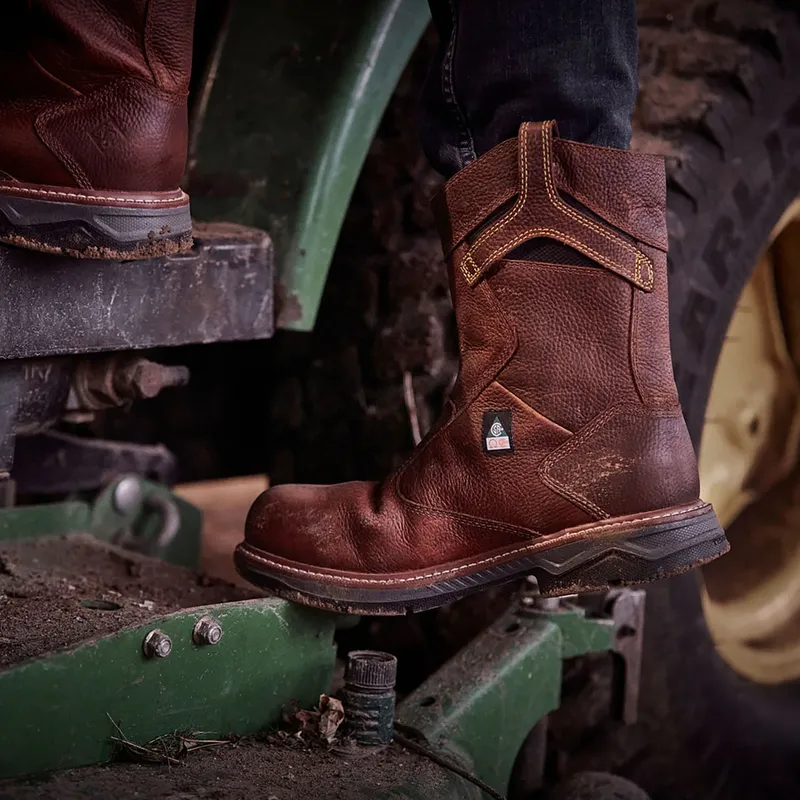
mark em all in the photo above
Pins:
pixel 580 219
pixel 643 260
pixel 502 222
pixel 639 258
pixel 523 197
pixel 558 203
pixel 470 274
pixel 552 232
pixel 51 193
pixel 481 562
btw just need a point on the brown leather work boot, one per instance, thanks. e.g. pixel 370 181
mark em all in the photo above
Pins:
pixel 93 126
pixel 562 451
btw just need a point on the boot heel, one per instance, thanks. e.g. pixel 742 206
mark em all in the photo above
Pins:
pixel 648 554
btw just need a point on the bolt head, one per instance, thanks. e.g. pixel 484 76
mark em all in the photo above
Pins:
pixel 207 631
pixel 157 644
pixel 127 495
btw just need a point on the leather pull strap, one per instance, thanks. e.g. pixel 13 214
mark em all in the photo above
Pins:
pixel 540 212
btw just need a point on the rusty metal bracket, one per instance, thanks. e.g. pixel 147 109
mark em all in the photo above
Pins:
pixel 626 609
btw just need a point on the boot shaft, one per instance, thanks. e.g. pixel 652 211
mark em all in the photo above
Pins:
pixel 567 244
pixel 85 45
pixel 557 257
pixel 96 94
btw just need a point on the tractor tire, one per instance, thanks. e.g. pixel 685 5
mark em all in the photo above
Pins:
pixel 597 786
pixel 720 99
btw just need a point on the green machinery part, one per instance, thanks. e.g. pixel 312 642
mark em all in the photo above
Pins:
pixel 71 707
pixel 68 708
pixel 289 109
pixel 483 703
pixel 130 511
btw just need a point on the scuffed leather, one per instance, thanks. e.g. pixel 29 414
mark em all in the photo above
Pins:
pixel 98 95
pixel 579 356
pixel 365 527
pixel 503 487
pixel 642 457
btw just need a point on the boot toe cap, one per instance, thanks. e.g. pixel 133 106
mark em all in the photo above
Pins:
pixel 305 524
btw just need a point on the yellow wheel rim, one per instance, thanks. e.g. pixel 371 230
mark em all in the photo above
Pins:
pixel 748 470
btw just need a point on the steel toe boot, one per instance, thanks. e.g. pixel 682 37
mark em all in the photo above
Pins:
pixel 562 451
pixel 93 126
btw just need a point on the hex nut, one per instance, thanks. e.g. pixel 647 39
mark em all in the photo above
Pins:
pixel 207 631
pixel 157 644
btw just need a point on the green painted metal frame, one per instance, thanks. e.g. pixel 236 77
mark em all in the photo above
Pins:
pixel 63 709
pixel 298 93
pixel 144 523
pixel 102 519
pixel 483 703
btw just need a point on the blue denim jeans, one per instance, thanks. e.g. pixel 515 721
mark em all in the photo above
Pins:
pixel 502 62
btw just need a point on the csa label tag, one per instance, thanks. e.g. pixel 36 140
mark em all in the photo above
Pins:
pixel 498 436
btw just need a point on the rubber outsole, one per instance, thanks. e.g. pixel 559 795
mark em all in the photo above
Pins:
pixel 593 564
pixel 92 230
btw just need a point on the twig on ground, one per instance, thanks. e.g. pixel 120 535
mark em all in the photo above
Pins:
pixel 411 406
pixel 167 749
pixel 141 750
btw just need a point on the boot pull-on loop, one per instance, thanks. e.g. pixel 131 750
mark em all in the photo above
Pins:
pixel 540 212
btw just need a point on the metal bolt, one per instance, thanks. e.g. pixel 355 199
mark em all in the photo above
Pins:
pixel 206 631
pixel 157 644
pixel 142 378
pixel 127 495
